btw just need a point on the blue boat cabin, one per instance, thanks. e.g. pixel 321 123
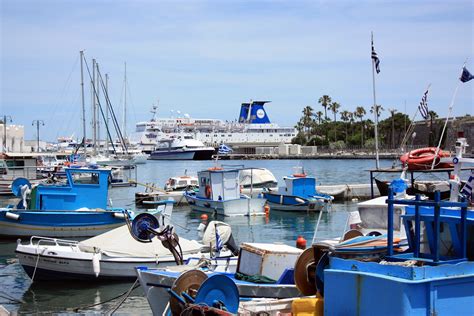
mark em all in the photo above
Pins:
pixel 84 188
pixel 299 186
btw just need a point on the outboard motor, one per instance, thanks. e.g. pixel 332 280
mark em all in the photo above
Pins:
pixel 223 236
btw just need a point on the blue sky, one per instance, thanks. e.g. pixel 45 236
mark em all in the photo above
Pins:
pixel 206 57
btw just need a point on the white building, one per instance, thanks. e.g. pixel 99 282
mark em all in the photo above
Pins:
pixel 15 138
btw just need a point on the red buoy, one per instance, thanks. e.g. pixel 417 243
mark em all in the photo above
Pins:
pixel 301 242
pixel 204 217
pixel 266 208
pixel 422 158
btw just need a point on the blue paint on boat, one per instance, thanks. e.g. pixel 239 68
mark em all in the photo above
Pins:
pixel 77 208
pixel 299 193
pixel 419 281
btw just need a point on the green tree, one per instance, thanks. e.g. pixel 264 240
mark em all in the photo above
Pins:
pixel 334 107
pixel 319 116
pixel 392 114
pixel 432 116
pixel 325 101
pixel 345 117
pixel 359 113
pixel 307 119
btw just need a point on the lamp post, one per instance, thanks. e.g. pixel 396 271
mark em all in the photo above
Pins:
pixel 37 122
pixel 5 119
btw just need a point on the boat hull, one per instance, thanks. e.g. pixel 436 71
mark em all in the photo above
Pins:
pixel 58 223
pixel 237 207
pixel 155 286
pixel 280 202
pixel 54 265
pixel 182 155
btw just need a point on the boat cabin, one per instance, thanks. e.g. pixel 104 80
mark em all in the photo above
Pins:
pixel 219 184
pixel 85 187
pixel 180 183
pixel 298 186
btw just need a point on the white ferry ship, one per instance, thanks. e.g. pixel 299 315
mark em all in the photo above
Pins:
pixel 252 129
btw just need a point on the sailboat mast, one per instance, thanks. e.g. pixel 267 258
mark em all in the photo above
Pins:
pixel 106 113
pixel 124 127
pixel 97 89
pixel 81 53
pixel 94 112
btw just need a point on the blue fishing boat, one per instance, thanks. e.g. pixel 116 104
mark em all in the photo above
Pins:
pixel 434 276
pixel 76 208
pixel 298 194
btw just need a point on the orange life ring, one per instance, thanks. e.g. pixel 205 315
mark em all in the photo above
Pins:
pixel 208 191
pixel 299 175
pixel 214 168
pixel 422 158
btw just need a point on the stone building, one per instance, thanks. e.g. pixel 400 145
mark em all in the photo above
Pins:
pixel 15 138
pixel 463 124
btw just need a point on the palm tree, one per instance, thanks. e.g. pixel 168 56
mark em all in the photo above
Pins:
pixel 432 115
pixel 325 101
pixel 345 118
pixel 334 107
pixel 392 113
pixel 319 116
pixel 360 112
pixel 380 109
pixel 308 118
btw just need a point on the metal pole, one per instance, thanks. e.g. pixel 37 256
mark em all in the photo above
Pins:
pixel 390 202
pixel 417 227
pixel 376 113
pixel 106 114
pixel 124 127
pixel 83 105
pixel 97 89
pixel 94 116
pixel 437 225
pixel 37 122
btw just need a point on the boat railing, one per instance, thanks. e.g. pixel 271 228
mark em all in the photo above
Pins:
pixel 434 255
pixel 52 241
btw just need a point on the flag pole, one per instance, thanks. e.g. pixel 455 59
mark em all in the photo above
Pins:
pixel 377 165
pixel 447 119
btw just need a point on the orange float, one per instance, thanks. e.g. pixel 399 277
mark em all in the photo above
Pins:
pixel 208 191
pixel 422 158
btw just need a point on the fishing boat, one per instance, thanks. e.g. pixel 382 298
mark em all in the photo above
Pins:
pixel 220 193
pixel 298 194
pixel 112 255
pixel 76 208
pixel 181 183
pixel 262 271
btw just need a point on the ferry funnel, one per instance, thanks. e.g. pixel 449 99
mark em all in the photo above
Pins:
pixel 254 113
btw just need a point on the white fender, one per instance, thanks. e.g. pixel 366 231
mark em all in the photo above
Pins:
pixel 12 216
pixel 96 264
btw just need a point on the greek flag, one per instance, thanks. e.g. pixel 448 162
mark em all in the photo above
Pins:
pixel 423 107
pixel 224 149
pixel 467 189
pixel 219 243
pixel 466 75
pixel 375 58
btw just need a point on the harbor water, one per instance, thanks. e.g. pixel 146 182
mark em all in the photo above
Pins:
pixel 19 294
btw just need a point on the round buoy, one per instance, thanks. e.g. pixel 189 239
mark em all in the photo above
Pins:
pixel 301 242
pixel 204 217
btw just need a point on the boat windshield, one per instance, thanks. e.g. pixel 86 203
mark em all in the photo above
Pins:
pixel 85 177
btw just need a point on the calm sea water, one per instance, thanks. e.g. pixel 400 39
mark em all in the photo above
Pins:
pixel 17 293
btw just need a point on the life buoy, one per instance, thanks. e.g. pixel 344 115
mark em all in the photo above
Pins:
pixel 214 168
pixel 422 158
pixel 299 175
pixel 208 191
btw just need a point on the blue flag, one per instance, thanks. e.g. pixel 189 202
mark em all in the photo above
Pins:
pixel 466 75
pixel 224 149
